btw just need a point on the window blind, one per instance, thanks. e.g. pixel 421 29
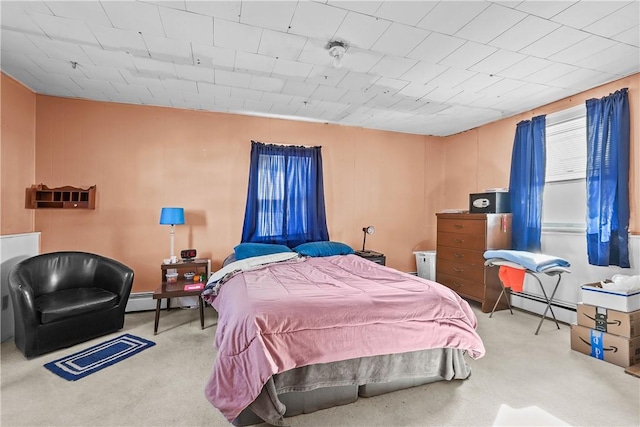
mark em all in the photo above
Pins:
pixel 566 142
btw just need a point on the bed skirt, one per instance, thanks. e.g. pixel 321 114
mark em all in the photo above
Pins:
pixel 311 388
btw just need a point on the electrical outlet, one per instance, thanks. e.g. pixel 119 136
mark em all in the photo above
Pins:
pixel 5 302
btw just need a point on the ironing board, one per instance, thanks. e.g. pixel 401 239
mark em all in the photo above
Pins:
pixel 532 264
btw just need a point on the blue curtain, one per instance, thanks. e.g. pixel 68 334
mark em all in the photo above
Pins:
pixel 285 199
pixel 608 180
pixel 526 184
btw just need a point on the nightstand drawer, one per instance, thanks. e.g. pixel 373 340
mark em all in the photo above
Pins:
pixel 372 256
pixel 466 241
pixel 463 226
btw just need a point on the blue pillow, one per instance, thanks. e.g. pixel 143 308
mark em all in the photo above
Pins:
pixel 324 248
pixel 248 250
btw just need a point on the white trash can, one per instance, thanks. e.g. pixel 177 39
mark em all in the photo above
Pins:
pixel 426 264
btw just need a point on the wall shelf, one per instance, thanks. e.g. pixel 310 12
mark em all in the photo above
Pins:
pixel 42 197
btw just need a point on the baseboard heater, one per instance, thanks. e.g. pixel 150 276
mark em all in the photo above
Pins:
pixel 142 301
pixel 564 311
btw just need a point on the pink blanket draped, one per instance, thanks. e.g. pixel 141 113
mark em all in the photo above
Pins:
pixel 321 310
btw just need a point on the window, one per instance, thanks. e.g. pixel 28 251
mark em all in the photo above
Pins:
pixel 564 199
pixel 285 200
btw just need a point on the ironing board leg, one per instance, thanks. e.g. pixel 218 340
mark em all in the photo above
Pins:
pixel 549 301
pixel 502 292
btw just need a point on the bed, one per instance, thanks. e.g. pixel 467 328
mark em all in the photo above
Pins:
pixel 300 333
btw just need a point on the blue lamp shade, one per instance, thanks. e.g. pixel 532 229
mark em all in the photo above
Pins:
pixel 172 216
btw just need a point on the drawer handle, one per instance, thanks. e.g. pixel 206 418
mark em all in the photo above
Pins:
pixel 458 240
pixel 457 284
pixel 457 255
pixel 458 225
pixel 458 269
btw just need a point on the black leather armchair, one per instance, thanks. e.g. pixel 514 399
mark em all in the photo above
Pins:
pixel 64 298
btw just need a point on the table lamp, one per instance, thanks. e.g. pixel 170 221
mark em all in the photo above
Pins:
pixel 367 230
pixel 172 217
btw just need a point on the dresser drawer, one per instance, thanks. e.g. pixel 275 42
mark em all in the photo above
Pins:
pixel 460 270
pixel 462 226
pixel 463 241
pixel 463 287
pixel 465 256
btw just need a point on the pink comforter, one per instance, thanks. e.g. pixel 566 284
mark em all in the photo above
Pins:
pixel 321 310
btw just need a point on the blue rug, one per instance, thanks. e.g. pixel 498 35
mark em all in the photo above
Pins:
pixel 98 357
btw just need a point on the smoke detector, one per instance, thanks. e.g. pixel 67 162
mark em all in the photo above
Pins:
pixel 337 49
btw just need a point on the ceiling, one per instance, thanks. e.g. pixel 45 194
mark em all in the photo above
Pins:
pixel 422 67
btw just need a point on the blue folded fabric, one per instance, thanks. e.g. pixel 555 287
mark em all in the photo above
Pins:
pixel 529 260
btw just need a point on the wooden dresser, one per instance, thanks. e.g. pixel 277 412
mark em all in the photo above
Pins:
pixel 462 240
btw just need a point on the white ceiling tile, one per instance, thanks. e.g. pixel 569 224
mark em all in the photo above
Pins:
pixel 316 20
pixel 360 60
pixel 13 41
pixel 630 36
pixel 101 73
pixel 55 66
pixel 195 73
pixel 281 45
pixel 447 17
pixel 543 8
pixel 390 85
pixel 266 84
pixel 360 30
pixel 478 82
pixel 211 55
pixel 552 72
pixel 61 50
pixel 120 40
pixel 502 87
pixel 213 89
pixel 162 93
pixel 236 36
pixel 423 72
pixel 526 67
pixel 302 89
pixel 64 29
pixel 288 68
pixel 583 13
pixel 400 39
pixel 554 42
pixel 131 89
pixel 254 95
pixel 498 61
pixel 88 11
pixel 382 100
pixel 93 85
pixel 141 78
pixel 275 15
pixel 415 90
pixel 365 7
pixel 583 49
pixel 435 47
pixel 490 23
pixel 405 12
pixel 164 49
pixel 152 67
pixel 573 80
pixel 316 52
pixel 616 22
pixel 254 62
pixel 468 55
pixel 257 106
pixel 233 79
pixel 276 98
pixel 393 67
pixel 136 16
pixel 451 78
pixel 229 10
pixel 180 85
pixel 466 97
pixel 442 94
pixel 524 33
pixel 28 6
pixel 407 104
pixel 327 76
pixel 621 60
pixel 328 93
pixel 356 81
pixel 108 58
pixel 187 26
pixel 14 17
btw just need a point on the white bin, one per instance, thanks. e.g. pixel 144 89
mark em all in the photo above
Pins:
pixel 426 264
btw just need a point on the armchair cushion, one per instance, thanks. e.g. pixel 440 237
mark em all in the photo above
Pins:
pixel 72 302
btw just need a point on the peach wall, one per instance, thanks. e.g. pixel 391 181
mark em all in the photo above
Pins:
pixel 480 158
pixel 142 158
pixel 17 153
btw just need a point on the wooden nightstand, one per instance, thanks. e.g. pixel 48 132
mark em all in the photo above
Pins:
pixel 373 256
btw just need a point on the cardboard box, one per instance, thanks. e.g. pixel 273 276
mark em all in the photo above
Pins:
pixel 593 294
pixel 611 321
pixel 611 348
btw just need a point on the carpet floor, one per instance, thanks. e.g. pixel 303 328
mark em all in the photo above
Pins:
pixel 163 386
